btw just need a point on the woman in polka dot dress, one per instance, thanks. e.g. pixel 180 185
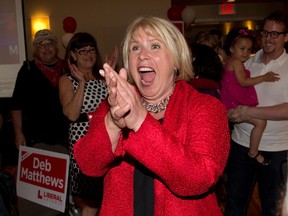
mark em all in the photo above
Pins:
pixel 81 91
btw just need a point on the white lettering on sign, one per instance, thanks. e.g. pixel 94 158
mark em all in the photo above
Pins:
pixel 38 176
pixel 42 165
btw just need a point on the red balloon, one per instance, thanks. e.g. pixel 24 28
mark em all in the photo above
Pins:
pixel 174 13
pixel 69 25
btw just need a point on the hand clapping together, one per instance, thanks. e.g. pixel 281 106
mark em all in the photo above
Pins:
pixel 126 109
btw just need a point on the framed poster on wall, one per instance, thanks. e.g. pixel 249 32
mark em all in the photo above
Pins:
pixel 12 44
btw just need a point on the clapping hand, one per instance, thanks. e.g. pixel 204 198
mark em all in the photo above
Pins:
pixel 76 73
pixel 125 103
pixel 118 106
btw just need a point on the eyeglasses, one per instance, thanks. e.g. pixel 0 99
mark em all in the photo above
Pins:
pixel 45 44
pixel 273 34
pixel 85 52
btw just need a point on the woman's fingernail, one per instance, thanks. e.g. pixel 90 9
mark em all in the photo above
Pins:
pixel 102 73
pixel 105 65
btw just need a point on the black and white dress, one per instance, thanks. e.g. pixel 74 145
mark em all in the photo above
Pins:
pixel 81 185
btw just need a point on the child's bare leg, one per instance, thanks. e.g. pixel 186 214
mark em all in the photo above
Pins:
pixel 255 138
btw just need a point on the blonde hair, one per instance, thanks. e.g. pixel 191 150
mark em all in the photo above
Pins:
pixel 172 38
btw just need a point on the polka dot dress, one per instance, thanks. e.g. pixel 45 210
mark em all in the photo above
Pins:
pixel 81 185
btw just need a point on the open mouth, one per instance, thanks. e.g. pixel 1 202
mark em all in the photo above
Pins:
pixel 147 75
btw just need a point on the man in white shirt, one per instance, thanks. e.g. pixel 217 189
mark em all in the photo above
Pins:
pixel 243 171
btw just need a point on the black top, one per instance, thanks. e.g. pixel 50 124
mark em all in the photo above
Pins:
pixel 143 190
pixel 43 118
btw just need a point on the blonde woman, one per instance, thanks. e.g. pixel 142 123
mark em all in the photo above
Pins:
pixel 160 145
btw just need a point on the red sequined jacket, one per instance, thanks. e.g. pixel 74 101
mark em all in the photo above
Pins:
pixel 187 153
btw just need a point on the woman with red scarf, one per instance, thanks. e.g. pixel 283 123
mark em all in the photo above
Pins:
pixel 160 144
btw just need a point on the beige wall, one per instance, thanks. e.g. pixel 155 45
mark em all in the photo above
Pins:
pixel 108 19
pixel 243 11
pixel 105 19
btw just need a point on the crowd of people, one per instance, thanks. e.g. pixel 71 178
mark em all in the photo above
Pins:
pixel 242 172
pixel 155 136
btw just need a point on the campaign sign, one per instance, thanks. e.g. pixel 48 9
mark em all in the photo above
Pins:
pixel 42 177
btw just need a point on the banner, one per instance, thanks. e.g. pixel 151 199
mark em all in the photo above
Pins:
pixel 42 177
pixel 12 44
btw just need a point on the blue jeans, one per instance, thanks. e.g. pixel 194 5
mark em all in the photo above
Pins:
pixel 242 174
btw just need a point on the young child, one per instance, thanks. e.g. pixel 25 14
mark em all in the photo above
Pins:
pixel 237 87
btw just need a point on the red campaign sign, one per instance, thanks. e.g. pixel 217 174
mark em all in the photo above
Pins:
pixel 44 171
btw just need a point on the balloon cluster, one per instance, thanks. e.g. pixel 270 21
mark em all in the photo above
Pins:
pixel 69 26
pixel 184 13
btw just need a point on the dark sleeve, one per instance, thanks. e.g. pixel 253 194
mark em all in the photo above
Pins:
pixel 19 89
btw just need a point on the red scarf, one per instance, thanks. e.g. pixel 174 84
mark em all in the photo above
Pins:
pixel 51 72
